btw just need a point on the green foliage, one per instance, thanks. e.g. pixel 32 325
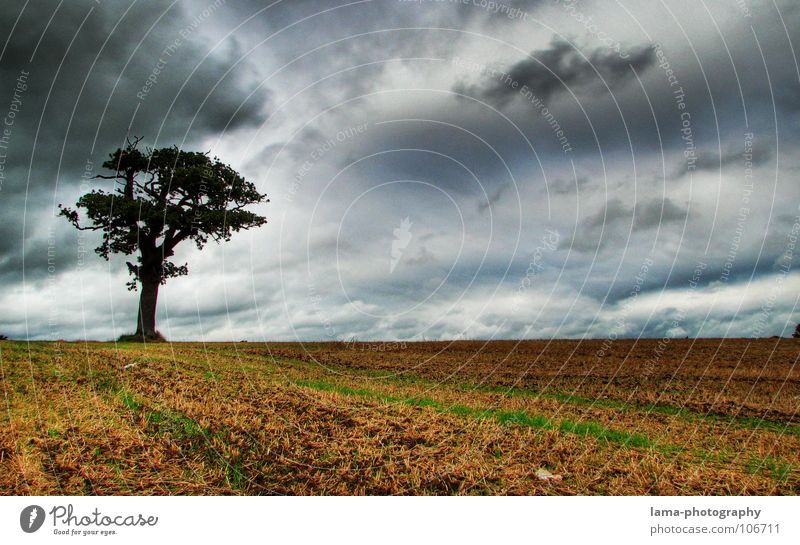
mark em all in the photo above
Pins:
pixel 129 401
pixel 161 198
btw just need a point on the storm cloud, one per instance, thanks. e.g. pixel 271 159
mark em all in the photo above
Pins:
pixel 435 169
pixel 562 68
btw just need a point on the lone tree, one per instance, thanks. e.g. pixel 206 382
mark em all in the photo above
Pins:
pixel 163 197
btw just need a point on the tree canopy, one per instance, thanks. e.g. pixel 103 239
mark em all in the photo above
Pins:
pixel 161 198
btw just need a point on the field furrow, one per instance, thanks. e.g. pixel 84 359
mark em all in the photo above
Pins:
pixel 248 419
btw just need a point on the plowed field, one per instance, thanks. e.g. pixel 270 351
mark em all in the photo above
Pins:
pixel 535 417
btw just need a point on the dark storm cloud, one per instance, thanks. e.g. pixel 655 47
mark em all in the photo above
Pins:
pixel 402 13
pixel 715 161
pixel 627 154
pixel 645 214
pixel 97 62
pixel 559 68
pixel 725 96
pixel 485 205
pixel 563 186
pixel 439 150
pixel 614 219
pixel 38 256
pixel 657 212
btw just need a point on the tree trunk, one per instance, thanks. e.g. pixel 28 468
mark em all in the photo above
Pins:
pixel 146 324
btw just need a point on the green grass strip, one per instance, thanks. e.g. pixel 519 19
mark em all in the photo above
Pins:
pixel 749 422
pixel 184 429
pixel 504 417
pixel 779 471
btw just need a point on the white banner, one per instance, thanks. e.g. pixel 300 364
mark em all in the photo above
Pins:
pixel 121 520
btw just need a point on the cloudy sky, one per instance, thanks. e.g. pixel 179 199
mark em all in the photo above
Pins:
pixel 437 169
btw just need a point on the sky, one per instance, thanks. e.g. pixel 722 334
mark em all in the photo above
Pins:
pixel 437 169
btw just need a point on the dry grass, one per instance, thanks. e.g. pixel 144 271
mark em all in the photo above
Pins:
pixel 707 418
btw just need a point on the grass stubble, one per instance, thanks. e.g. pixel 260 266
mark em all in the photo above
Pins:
pixel 331 418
